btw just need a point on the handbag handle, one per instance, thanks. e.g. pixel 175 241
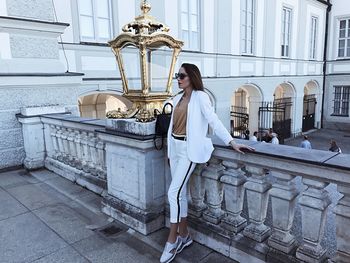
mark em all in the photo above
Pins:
pixel 166 104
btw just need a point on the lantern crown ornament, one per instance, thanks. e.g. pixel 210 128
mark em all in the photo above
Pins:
pixel 146 78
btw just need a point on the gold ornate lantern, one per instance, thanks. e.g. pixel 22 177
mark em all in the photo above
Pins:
pixel 145 66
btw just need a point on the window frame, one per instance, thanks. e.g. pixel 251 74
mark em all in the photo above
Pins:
pixel 244 28
pixel 313 38
pixel 340 102
pixel 346 38
pixel 283 33
pixel 96 38
pixel 189 45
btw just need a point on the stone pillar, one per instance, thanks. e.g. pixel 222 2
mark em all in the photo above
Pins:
pixel 314 204
pixel 135 176
pixel 33 134
pixel 283 198
pixel 214 191
pixel 257 189
pixel 34 144
pixel 197 191
pixel 233 179
pixel 342 212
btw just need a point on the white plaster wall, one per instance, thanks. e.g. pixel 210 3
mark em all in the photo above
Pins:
pixel 171 17
pixel 3 8
pixel 319 12
pixel 126 12
pixel 340 9
pixel 294 5
pixel 17 92
pixel 5 50
pixel 260 27
pixel 64 15
pixel 207 25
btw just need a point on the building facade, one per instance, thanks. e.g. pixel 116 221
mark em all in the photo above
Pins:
pixel 337 88
pixel 250 53
pixel 262 61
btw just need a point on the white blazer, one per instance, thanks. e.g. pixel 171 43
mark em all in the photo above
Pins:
pixel 200 114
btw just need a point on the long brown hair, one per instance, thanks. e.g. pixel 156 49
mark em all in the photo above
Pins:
pixel 194 75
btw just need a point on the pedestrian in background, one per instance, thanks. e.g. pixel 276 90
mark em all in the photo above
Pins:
pixel 274 139
pixel 306 143
pixel 334 147
pixel 254 138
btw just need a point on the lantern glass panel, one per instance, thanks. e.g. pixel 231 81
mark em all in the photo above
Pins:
pixel 159 68
pixel 132 64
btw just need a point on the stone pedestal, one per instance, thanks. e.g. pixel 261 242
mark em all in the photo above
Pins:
pixel 314 204
pixel 33 134
pixel 283 198
pixel 135 179
pixel 233 179
pixel 257 189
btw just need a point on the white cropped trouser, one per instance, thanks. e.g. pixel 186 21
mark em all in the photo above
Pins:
pixel 181 169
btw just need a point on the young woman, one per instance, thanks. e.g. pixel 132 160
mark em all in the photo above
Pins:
pixel 188 144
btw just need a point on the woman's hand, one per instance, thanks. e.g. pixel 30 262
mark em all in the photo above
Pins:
pixel 241 147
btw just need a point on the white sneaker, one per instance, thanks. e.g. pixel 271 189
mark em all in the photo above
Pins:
pixel 167 255
pixel 185 242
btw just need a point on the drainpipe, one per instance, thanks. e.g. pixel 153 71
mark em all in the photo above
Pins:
pixel 329 7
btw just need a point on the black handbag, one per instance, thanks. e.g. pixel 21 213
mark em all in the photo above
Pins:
pixel 162 125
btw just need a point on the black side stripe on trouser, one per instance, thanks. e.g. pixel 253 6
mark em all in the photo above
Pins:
pixel 178 194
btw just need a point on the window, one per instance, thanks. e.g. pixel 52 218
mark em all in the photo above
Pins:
pixel 344 38
pixel 95 20
pixel 247 26
pixel 313 37
pixel 341 100
pixel 190 23
pixel 286 30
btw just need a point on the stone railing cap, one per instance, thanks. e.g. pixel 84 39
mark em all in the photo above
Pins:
pixel 289 152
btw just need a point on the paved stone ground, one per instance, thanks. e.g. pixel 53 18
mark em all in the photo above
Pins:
pixel 320 139
pixel 46 218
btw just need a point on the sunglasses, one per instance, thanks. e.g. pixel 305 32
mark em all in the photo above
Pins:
pixel 180 75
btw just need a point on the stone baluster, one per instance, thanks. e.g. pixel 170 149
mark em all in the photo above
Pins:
pixel 72 148
pixel 53 131
pixel 101 164
pixel 78 150
pixel 65 146
pixel 257 190
pixel 197 192
pixel 214 192
pixel 92 141
pixel 342 212
pixel 284 195
pixel 233 179
pixel 85 148
pixel 314 204
pixel 60 144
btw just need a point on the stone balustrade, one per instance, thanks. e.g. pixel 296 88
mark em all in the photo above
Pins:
pixel 75 151
pixel 276 204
